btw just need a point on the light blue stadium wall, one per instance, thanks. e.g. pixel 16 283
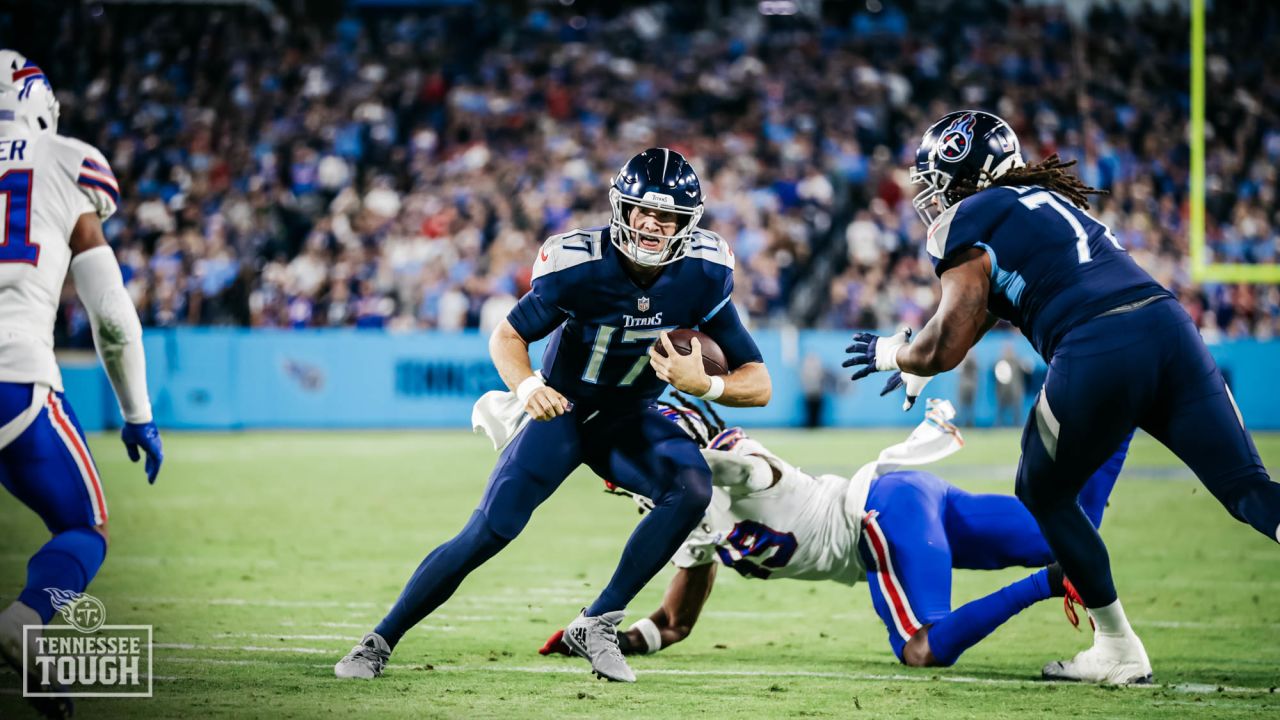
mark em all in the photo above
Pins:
pixel 213 378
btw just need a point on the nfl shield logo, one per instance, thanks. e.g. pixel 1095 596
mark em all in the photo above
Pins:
pixel 642 304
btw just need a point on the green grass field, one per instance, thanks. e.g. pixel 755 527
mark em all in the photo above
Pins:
pixel 261 557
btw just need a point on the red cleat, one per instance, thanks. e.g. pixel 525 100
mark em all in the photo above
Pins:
pixel 1069 602
pixel 555 645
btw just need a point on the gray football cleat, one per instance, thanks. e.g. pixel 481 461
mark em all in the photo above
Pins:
pixel 596 639
pixel 366 660
pixel 12 620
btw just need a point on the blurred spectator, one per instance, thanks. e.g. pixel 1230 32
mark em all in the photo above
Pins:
pixel 396 169
pixel 817 384
pixel 1011 375
pixel 967 391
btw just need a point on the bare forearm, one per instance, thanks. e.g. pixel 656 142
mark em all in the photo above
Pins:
pixel 940 347
pixel 510 354
pixel 747 386
pixel 961 320
pixel 681 606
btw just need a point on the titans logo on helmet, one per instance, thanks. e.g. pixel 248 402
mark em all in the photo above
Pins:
pixel 955 141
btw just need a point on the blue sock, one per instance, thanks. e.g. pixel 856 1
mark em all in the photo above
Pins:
pixel 67 562
pixel 439 576
pixel 968 624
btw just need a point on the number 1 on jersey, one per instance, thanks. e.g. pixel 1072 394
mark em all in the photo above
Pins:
pixel 15 240
pixel 1044 197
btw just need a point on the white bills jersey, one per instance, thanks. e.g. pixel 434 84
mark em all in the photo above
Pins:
pixel 46 183
pixel 797 525
pixel 803 526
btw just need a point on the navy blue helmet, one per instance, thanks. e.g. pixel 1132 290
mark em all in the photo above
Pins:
pixel 659 179
pixel 968 147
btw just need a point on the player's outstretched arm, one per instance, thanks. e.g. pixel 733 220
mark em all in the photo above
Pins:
pixel 510 353
pixel 681 606
pixel 962 318
pixel 669 624
pixel 117 334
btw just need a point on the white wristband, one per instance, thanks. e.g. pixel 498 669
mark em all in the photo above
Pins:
pixel 893 358
pixel 529 386
pixel 715 391
pixel 652 636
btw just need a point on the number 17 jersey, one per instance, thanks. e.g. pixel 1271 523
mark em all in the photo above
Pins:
pixel 1053 266
pixel 602 323
pixel 46 183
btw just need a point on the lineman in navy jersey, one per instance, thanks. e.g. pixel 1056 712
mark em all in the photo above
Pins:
pixel 606 296
pixel 1015 242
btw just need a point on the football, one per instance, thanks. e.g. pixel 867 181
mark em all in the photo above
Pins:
pixel 713 360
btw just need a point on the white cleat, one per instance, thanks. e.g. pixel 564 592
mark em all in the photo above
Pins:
pixel 365 661
pixel 1111 661
pixel 12 620
pixel 596 639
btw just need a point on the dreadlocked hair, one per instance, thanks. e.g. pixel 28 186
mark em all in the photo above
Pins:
pixel 1050 173
pixel 710 419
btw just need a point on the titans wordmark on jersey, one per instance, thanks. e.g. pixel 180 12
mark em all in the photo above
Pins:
pixel 602 323
pixel 1053 265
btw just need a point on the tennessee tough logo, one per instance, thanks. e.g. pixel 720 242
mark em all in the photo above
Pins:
pixel 955 141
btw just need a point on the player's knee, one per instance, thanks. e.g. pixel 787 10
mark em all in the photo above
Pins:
pixel 693 489
pixel 916 653
pixel 106 537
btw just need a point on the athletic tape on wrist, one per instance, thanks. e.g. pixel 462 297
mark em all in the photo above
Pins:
pixel 715 391
pixel 652 636
pixel 528 386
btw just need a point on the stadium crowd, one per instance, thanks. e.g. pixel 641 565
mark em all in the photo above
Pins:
pixel 398 170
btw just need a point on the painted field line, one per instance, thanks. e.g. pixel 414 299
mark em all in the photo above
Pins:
pixel 274 636
pixel 242 648
pixel 1190 688
pixel 1194 625
pixel 248 602
pixel 367 626
pixel 236 663
pixel 865 677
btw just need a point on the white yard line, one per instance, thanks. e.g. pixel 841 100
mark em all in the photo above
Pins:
pixel 1191 688
pixel 274 636
pixel 864 677
pixel 242 648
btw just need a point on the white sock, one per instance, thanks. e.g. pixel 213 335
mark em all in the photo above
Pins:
pixel 1111 620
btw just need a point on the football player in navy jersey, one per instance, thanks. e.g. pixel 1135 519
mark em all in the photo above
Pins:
pixel 605 296
pixel 1015 242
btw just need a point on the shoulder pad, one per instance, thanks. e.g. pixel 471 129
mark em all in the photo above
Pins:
pixel 561 252
pixel 89 169
pixel 706 245
pixel 981 211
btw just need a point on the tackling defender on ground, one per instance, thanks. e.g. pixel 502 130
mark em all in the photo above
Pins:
pixel 901 530
pixel 1014 242
pixel 605 296
pixel 57 191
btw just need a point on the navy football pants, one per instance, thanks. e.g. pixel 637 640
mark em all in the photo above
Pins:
pixel 634 447
pixel 1146 368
